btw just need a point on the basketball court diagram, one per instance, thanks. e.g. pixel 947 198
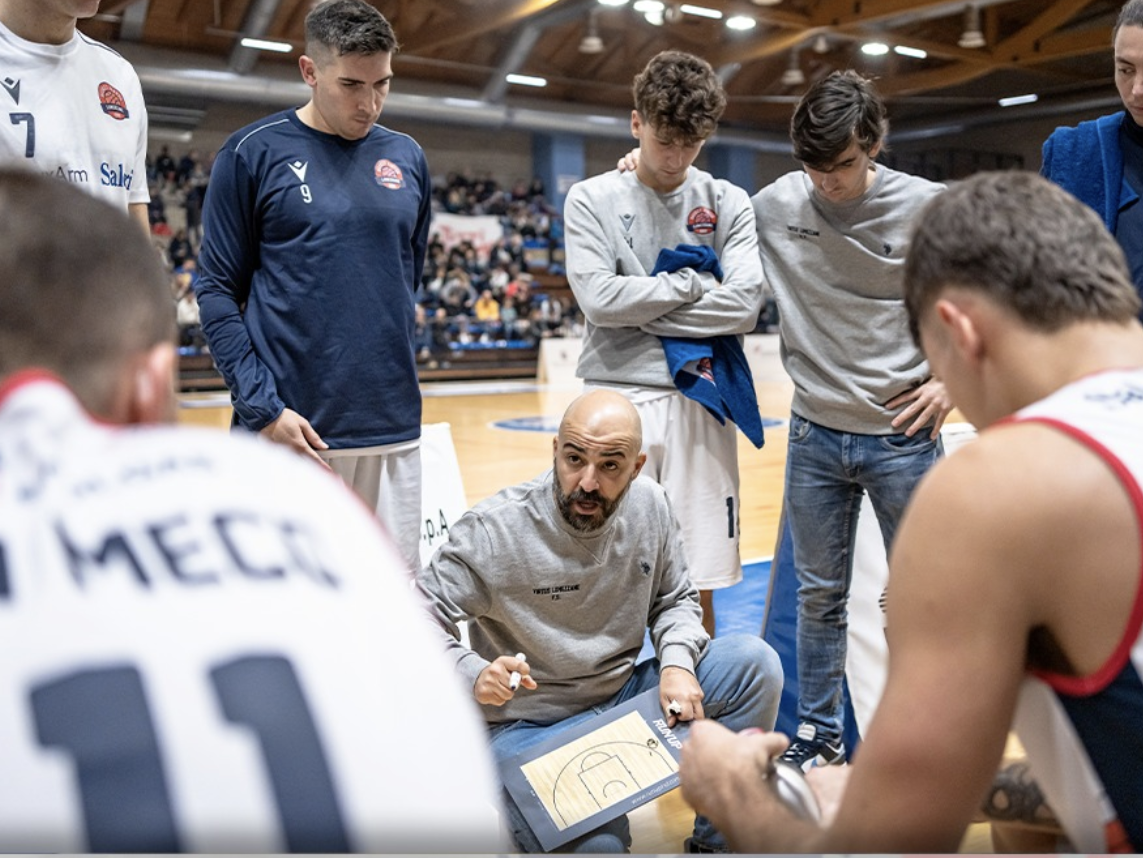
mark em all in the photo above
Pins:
pixel 598 770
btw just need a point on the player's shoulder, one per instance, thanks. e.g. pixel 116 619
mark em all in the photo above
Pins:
pixel 510 500
pixel 916 186
pixel 1011 473
pixel 261 134
pixel 782 188
pixel 95 48
pixel 725 190
pixel 97 58
pixel 235 464
pixel 647 499
pixel 391 137
pixel 611 183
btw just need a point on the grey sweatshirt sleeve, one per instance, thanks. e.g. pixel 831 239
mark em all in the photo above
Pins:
pixel 733 306
pixel 675 618
pixel 455 592
pixel 595 253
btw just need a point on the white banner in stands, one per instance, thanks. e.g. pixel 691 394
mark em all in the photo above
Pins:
pixel 482 231
pixel 442 490
pixel 559 357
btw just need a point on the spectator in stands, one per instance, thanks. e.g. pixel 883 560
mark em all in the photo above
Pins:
pixel 520 286
pixel 498 278
pixel 422 334
pixel 187 314
pixel 441 338
pixel 309 273
pixel 188 163
pixel 156 210
pixel 457 295
pixel 179 248
pixel 487 308
pixel 510 319
pixel 165 167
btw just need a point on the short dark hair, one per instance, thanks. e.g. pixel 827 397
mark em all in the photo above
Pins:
pixel 680 96
pixel 1131 15
pixel 837 110
pixel 81 286
pixel 1025 243
pixel 348 27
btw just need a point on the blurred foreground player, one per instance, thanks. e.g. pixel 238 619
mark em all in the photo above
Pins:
pixel 315 227
pixel 1016 580
pixel 203 634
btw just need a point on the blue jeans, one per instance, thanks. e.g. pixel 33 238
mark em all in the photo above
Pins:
pixel 827 472
pixel 741 678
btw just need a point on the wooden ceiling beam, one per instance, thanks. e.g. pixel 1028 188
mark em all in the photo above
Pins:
pixel 949 75
pixel 1055 16
pixel 466 29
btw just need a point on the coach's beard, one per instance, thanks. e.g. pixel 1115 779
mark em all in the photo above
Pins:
pixel 578 521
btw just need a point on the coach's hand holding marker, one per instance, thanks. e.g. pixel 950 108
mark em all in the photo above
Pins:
pixel 499 682
pixel 514 677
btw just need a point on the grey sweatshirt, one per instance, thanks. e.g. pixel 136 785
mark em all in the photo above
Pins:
pixel 577 605
pixel 615 227
pixel 836 273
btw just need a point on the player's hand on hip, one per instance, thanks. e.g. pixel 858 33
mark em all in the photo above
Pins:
pixel 292 430
pixel 493 686
pixel 629 162
pixel 680 695
pixel 925 404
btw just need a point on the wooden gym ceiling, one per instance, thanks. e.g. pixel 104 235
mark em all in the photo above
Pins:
pixel 1059 49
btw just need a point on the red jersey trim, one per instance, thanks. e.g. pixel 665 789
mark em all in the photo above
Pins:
pixel 1085 686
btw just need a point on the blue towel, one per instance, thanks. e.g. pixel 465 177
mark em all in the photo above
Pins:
pixel 723 383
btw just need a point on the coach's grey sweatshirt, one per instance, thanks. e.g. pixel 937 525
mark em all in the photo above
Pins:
pixel 615 227
pixel 836 271
pixel 576 604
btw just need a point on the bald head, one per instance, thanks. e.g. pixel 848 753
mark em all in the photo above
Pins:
pixel 596 457
pixel 603 414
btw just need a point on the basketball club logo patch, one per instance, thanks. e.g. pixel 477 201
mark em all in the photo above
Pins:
pixel 112 102
pixel 388 175
pixel 702 221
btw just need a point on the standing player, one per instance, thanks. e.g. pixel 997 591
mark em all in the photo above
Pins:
pixel 74 108
pixel 1101 160
pixel 867 411
pixel 616 225
pixel 204 639
pixel 316 222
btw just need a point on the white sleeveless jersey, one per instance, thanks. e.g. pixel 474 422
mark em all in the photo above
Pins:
pixel 1084 735
pixel 209 647
pixel 74 111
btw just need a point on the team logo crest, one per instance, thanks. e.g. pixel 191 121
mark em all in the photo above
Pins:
pixel 702 221
pixel 388 175
pixel 112 102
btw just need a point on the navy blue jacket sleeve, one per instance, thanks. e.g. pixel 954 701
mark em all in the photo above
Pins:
pixel 227 260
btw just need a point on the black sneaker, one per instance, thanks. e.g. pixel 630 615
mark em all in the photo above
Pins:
pixel 692 848
pixel 807 751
